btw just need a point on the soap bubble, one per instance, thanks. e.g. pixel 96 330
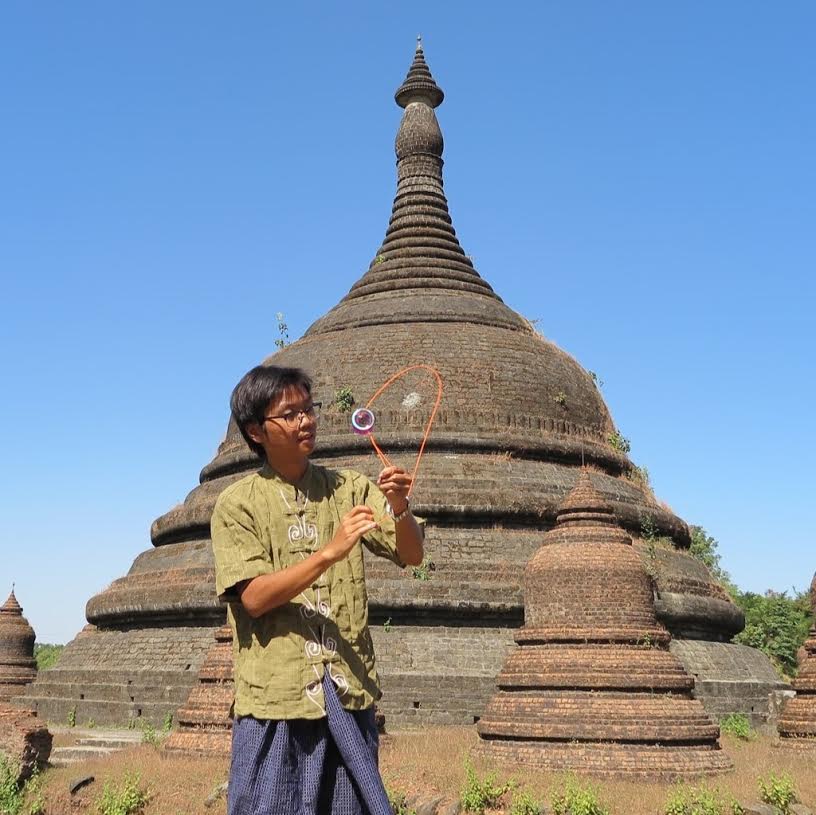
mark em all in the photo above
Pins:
pixel 362 421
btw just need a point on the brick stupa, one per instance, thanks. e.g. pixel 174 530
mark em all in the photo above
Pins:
pixel 592 686
pixel 518 416
pixel 202 724
pixel 17 664
pixel 797 722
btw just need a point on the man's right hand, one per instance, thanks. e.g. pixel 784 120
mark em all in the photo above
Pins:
pixel 353 526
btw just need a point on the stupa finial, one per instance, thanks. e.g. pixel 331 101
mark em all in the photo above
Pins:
pixel 11 606
pixel 419 84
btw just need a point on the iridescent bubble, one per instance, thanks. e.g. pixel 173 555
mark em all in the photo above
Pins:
pixel 362 421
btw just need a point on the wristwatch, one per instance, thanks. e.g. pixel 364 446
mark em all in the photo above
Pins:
pixel 404 514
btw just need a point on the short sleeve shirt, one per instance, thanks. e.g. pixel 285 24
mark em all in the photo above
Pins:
pixel 262 524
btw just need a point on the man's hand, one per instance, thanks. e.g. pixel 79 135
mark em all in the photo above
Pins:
pixel 353 526
pixel 395 484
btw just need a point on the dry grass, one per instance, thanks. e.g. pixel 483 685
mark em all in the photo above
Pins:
pixel 427 761
pixel 434 760
pixel 177 786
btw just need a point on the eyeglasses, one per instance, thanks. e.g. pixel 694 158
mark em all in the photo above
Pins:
pixel 294 417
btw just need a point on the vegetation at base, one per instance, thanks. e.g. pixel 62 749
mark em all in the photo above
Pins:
pixel 71 718
pixel 167 723
pixel 46 655
pixel 573 797
pixel 778 791
pixel 525 804
pixel 480 793
pixel 126 798
pixel 11 796
pixel 702 800
pixel 19 799
pixel 738 725
pixel 776 623
pixel 149 734
pixel 397 801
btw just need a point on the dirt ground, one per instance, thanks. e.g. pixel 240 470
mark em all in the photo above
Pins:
pixel 427 761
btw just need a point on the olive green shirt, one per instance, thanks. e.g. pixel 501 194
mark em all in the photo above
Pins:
pixel 262 524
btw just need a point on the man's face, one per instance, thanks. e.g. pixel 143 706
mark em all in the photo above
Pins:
pixel 286 429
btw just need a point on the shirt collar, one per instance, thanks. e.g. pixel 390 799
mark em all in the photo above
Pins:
pixel 301 484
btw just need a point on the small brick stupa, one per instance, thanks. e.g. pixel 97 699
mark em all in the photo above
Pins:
pixel 17 664
pixel 797 722
pixel 592 686
pixel 203 723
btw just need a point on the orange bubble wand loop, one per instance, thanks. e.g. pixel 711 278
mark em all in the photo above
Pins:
pixel 363 419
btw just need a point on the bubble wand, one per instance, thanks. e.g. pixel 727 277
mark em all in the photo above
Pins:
pixel 363 419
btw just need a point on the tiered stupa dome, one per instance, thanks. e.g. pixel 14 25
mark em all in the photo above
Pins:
pixel 797 722
pixel 518 418
pixel 592 686
pixel 17 665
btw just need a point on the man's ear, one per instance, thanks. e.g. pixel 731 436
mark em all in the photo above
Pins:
pixel 255 432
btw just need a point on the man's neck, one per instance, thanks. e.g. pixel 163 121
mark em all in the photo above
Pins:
pixel 290 470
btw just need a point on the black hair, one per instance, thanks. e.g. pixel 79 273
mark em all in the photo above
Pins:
pixel 257 388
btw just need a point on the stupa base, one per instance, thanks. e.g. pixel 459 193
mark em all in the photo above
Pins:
pixel 606 759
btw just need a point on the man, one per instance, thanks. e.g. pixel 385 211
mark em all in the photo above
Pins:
pixel 288 560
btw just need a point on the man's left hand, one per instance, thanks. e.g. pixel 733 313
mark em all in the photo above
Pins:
pixel 395 484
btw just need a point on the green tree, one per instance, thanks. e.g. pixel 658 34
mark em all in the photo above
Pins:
pixel 46 655
pixel 776 624
pixel 706 549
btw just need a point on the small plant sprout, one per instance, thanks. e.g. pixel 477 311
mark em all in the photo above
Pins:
pixel 572 797
pixel 778 791
pixel 560 398
pixel 423 571
pixel 150 735
pixel 343 399
pixel 619 442
pixel 525 804
pixel 687 800
pixel 387 625
pixel 128 797
pixel 639 475
pixel 283 331
pixel 397 801
pixel 738 725
pixel 479 794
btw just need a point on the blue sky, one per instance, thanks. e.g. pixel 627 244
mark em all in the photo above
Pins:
pixel 639 177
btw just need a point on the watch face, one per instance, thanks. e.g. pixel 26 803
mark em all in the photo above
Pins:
pixel 362 421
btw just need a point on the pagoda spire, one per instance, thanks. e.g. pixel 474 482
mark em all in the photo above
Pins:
pixel 420 250
pixel 420 273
